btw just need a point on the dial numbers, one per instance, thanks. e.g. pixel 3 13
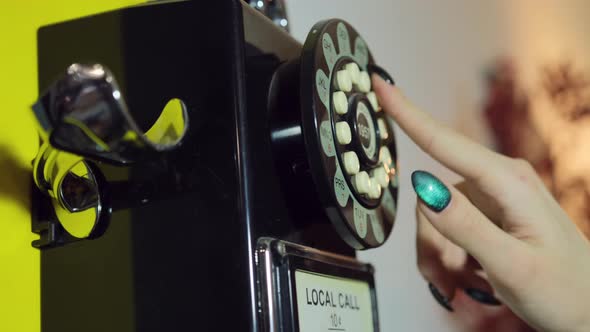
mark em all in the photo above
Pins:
pixel 343 39
pixel 377 228
pixel 327 139
pixel 361 52
pixel 323 87
pixel 329 50
pixel 360 219
pixel 341 188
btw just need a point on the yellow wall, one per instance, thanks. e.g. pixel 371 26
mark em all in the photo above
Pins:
pixel 19 262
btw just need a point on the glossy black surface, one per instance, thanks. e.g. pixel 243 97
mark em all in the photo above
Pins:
pixel 179 251
pixel 181 261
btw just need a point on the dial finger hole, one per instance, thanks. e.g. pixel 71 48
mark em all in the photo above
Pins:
pixel 354 71
pixel 383 132
pixel 381 176
pixel 340 102
pixel 364 82
pixel 362 183
pixel 374 189
pixel 373 100
pixel 343 81
pixel 343 133
pixel 385 156
pixel 351 162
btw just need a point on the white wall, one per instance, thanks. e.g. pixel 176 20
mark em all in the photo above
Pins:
pixel 437 52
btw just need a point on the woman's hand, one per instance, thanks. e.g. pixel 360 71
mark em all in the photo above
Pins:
pixel 501 219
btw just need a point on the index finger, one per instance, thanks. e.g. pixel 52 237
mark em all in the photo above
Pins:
pixel 452 149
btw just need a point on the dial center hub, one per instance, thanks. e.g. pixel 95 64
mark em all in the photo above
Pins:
pixel 365 131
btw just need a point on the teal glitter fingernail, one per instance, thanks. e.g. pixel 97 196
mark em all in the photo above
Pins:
pixel 431 190
pixel 482 296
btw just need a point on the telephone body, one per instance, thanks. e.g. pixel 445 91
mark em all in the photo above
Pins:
pixel 287 166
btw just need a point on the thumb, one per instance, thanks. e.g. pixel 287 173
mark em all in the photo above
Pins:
pixel 457 219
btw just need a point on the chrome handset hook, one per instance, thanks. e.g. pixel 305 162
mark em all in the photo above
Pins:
pixel 84 113
pixel 83 117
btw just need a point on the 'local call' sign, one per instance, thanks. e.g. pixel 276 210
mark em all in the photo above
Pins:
pixel 326 298
pixel 326 303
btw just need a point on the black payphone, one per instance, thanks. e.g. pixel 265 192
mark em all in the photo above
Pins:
pixel 202 170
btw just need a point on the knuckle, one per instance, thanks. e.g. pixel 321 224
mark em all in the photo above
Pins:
pixel 513 180
pixel 523 170
pixel 526 268
pixel 522 178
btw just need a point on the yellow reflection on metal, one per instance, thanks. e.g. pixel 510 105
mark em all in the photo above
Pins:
pixel 88 132
pixel 170 125
pixel 78 224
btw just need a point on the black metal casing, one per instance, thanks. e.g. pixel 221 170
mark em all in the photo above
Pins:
pixel 181 257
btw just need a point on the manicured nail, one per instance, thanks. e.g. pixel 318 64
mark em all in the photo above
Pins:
pixel 374 69
pixel 441 299
pixel 482 296
pixel 431 190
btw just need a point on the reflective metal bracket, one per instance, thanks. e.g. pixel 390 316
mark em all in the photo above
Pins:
pixel 83 118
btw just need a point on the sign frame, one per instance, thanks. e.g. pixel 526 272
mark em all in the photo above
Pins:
pixel 277 262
